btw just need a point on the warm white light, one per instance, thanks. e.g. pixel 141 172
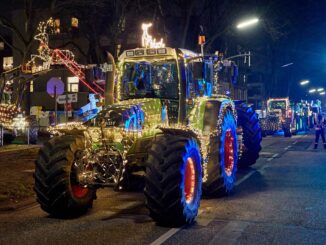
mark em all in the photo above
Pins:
pixel 304 82
pixel 147 40
pixel 320 89
pixel 312 90
pixel 247 23
pixel 19 122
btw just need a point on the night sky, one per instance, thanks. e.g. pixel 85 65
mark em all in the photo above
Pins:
pixel 288 31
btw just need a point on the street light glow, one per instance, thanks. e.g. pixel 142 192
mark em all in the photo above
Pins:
pixel 247 23
pixel 322 93
pixel 320 89
pixel 313 90
pixel 304 82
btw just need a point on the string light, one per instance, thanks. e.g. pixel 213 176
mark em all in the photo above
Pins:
pixel 147 40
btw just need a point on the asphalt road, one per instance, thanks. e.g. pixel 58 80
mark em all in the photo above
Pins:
pixel 280 200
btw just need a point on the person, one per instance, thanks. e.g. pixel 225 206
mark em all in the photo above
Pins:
pixel 319 127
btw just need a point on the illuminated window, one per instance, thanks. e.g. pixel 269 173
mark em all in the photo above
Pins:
pixel 31 86
pixel 8 63
pixel 57 26
pixel 73 84
pixel 74 22
pixel 2 45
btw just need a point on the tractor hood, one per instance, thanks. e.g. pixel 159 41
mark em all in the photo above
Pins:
pixel 131 114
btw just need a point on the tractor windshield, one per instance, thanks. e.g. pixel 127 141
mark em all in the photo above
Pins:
pixel 150 79
pixel 281 104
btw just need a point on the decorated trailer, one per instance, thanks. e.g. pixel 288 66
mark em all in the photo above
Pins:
pixel 166 132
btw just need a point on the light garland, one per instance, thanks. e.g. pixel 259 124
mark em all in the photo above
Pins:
pixel 19 122
pixel 147 40
pixel 7 114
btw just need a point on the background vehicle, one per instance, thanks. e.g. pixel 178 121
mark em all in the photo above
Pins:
pixel 166 126
pixel 281 115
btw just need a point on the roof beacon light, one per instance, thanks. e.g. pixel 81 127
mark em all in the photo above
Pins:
pixel 147 40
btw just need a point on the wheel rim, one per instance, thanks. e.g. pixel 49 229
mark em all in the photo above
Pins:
pixel 228 153
pixel 77 190
pixel 189 180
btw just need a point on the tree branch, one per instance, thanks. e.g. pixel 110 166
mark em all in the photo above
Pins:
pixel 11 45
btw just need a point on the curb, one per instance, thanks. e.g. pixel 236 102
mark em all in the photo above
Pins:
pixel 20 149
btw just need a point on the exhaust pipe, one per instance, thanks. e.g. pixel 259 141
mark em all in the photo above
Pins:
pixel 109 83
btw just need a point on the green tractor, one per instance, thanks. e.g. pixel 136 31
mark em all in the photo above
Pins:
pixel 166 132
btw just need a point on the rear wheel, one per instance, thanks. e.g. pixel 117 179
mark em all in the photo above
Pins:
pixel 286 126
pixel 56 178
pixel 222 161
pixel 173 180
pixel 247 119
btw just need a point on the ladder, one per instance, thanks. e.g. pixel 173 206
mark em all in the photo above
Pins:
pixel 60 57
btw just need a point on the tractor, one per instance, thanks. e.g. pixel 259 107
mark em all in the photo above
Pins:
pixel 164 130
pixel 280 116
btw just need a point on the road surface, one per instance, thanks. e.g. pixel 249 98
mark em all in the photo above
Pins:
pixel 280 200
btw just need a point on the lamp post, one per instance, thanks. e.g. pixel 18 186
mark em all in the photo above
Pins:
pixel 313 90
pixel 247 23
pixel 304 82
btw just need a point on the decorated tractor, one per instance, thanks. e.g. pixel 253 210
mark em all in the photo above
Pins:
pixel 166 133
pixel 282 116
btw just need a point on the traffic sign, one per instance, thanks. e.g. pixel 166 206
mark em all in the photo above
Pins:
pixel 67 98
pixel 55 86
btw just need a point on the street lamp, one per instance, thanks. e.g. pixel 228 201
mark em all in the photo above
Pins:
pixel 322 93
pixel 304 82
pixel 320 89
pixel 313 90
pixel 247 23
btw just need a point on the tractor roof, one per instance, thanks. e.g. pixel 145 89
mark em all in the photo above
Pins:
pixel 156 53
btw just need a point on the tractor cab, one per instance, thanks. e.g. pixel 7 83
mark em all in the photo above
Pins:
pixel 162 73
pixel 279 107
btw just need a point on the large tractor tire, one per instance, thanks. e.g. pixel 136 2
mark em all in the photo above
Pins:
pixel 247 119
pixel 56 186
pixel 222 159
pixel 173 180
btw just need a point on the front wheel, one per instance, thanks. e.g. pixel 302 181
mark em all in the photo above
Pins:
pixel 173 180
pixel 56 178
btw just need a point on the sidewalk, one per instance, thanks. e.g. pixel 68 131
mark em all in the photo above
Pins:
pixel 16 175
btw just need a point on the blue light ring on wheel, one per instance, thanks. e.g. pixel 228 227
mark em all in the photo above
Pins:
pixel 228 124
pixel 193 151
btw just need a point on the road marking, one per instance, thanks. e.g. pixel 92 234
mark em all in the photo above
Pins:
pixel 230 233
pixel 166 236
pixel 244 178
pixel 294 142
pixel 173 231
